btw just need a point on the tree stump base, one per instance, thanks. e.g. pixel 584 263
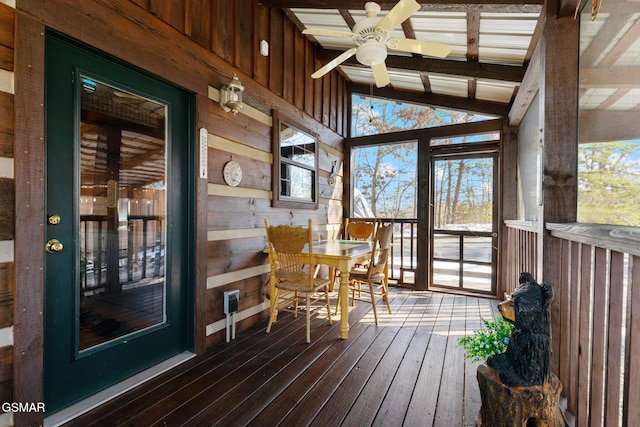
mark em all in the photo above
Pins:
pixel 504 406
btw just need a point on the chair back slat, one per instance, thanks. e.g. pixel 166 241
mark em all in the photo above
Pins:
pixel 383 236
pixel 379 266
pixel 382 242
pixel 286 245
pixel 360 230
pixel 292 277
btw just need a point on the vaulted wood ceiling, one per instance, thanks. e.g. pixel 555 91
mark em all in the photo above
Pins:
pixel 492 47
pixel 488 70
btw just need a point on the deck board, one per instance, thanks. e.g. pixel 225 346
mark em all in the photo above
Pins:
pixel 406 371
pixel 448 411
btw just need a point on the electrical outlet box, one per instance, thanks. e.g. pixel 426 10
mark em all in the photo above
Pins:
pixel 231 301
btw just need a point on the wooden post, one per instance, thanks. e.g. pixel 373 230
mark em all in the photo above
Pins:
pixel 559 117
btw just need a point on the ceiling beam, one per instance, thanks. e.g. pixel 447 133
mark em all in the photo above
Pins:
pixel 601 126
pixel 527 91
pixel 614 77
pixel 509 73
pixel 610 29
pixel 446 131
pixel 631 35
pixel 443 101
pixel 512 6
pixel 348 18
pixel 568 7
pixel 473 35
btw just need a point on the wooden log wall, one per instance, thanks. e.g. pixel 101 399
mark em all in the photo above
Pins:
pixel 235 216
pixel 197 45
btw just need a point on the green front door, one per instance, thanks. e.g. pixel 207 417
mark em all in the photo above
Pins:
pixel 118 224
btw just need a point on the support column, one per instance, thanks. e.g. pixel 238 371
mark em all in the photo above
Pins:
pixel 559 145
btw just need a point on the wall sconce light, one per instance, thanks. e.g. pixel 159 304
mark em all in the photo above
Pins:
pixel 231 96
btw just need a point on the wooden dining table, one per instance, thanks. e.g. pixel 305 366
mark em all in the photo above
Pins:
pixel 340 254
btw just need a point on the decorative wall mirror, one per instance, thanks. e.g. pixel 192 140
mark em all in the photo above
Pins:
pixel 295 165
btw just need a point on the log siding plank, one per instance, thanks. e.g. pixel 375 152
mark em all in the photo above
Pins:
pixel 232 147
pixel 255 174
pixel 227 191
pixel 7 28
pixel 7 207
pixel 7 283
pixel 6 113
pixel 6 58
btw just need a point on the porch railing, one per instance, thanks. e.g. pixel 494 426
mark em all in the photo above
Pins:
pixel 404 255
pixel 600 322
pixel 596 318
pixel 519 253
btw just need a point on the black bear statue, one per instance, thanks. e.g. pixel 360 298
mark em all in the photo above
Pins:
pixel 527 359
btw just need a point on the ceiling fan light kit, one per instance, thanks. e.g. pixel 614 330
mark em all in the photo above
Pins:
pixel 371 35
pixel 371 53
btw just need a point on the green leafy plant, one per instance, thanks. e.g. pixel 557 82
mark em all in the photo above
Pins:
pixel 488 341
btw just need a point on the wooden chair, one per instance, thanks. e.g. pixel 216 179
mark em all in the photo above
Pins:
pixel 359 230
pixel 354 230
pixel 293 272
pixel 371 279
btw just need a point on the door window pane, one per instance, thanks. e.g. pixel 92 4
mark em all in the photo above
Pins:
pixel 122 210
pixel 463 231
pixel 463 194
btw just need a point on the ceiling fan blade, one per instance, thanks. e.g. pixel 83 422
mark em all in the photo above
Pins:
pixel 439 50
pixel 334 63
pixel 399 13
pixel 380 74
pixel 327 33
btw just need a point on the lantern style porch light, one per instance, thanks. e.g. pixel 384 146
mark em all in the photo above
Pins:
pixel 231 96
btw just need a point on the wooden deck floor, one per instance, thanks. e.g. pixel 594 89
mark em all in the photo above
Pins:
pixel 405 372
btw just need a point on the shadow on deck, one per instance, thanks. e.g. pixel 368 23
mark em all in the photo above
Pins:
pixel 405 372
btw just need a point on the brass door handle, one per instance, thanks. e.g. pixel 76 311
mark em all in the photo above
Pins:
pixel 54 245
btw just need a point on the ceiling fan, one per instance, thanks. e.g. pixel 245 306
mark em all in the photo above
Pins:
pixel 371 36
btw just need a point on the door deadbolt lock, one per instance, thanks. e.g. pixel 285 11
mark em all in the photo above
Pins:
pixel 54 219
pixel 54 245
